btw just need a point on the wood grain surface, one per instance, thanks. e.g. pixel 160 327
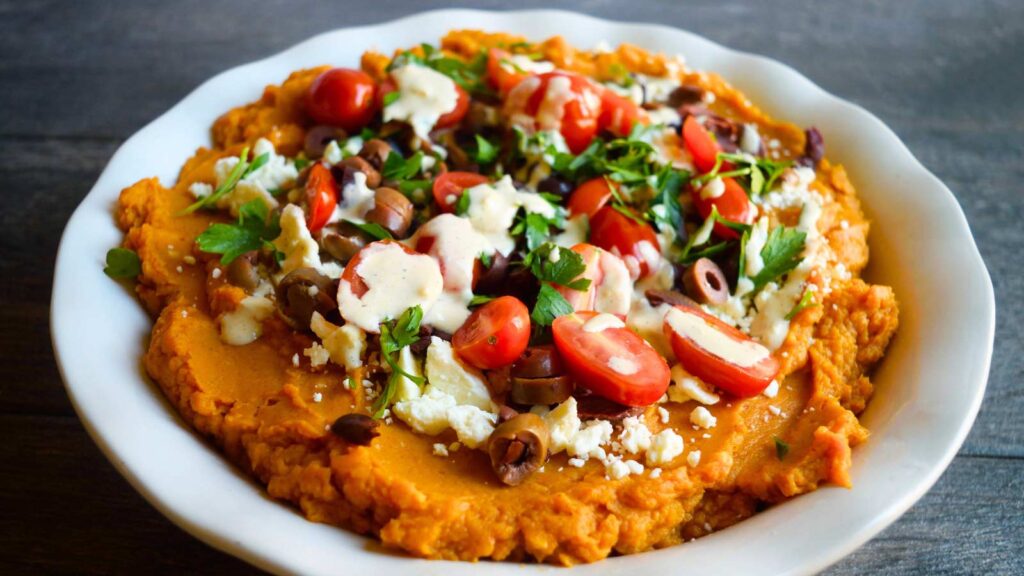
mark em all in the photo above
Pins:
pixel 78 77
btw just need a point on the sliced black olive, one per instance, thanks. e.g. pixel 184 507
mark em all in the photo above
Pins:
pixel 684 95
pixel 302 292
pixel 345 243
pixel 493 277
pixel 814 148
pixel 590 406
pixel 243 271
pixel 319 136
pixel 670 297
pixel 538 362
pixel 557 186
pixel 545 391
pixel 705 282
pixel 518 447
pixel 358 429
pixel 392 210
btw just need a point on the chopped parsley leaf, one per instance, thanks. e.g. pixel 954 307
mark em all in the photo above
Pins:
pixel 479 299
pixel 806 301
pixel 122 263
pixel 781 253
pixel 394 336
pixel 550 305
pixel 391 97
pixel 485 152
pixel 252 232
pixel 565 270
pixel 462 204
pixel 372 229
pixel 398 168
pixel 781 448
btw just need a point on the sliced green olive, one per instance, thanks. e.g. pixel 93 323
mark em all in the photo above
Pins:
pixel 518 447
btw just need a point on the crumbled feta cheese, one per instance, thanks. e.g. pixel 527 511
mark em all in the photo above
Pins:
pixel 440 450
pixel 588 441
pixel 332 153
pixel 299 248
pixel 317 354
pixel 563 425
pixel 750 140
pixel 345 344
pixel 216 273
pixel 427 414
pixel 663 415
pixel 257 185
pixel 665 447
pixel 317 397
pixel 200 190
pixel 703 418
pixel 447 373
pixel 472 425
pixel 244 324
pixel 656 473
pixel 686 387
pixel 577 462
pixel 693 458
pixel 713 189
pixel 772 390
pixel 493 207
pixel 635 436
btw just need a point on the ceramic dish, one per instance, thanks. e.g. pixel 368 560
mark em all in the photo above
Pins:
pixel 929 386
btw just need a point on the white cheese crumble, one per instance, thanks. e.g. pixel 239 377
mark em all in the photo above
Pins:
pixel 272 175
pixel 440 450
pixel 244 324
pixel 297 244
pixel 693 458
pixel 665 447
pixel 772 390
pixel 703 418
pixel 424 96
pixel 317 354
pixel 356 200
pixel 448 374
pixel 635 436
pixel 345 344
pixel 686 387
pixel 713 189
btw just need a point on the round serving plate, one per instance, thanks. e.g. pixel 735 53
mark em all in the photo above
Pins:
pixel 928 387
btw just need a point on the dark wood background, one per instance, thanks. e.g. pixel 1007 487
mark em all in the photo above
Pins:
pixel 78 77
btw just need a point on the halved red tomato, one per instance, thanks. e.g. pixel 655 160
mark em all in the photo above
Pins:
pixel 732 204
pixel 700 144
pixel 321 196
pixel 613 363
pixel 590 196
pixel 494 335
pixel 559 101
pixel 500 75
pixel 619 114
pixel 354 280
pixel 718 353
pixel 448 119
pixel 342 97
pixel 448 187
pixel 629 237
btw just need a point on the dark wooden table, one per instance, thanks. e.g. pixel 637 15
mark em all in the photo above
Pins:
pixel 78 77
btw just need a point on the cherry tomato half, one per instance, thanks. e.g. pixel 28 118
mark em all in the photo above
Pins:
pixel 733 205
pixel 342 97
pixel 499 75
pixel 447 119
pixel 559 101
pixel 448 187
pixel 700 144
pixel 494 335
pixel 619 114
pixel 321 196
pixel 590 196
pixel 355 281
pixel 694 339
pixel 614 363
pixel 629 237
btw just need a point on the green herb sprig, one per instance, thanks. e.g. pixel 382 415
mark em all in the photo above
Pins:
pixel 253 231
pixel 395 335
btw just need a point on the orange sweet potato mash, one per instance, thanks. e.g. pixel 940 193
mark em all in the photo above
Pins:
pixel 253 401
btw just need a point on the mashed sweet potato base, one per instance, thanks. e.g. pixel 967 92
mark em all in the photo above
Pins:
pixel 253 403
